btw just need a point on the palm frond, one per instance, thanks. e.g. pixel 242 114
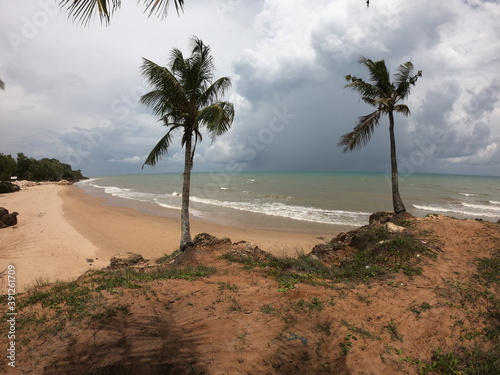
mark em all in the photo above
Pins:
pixel 160 7
pixel 365 89
pixel 403 109
pixel 361 133
pixel 159 150
pixel 404 80
pixel 168 95
pixel 2 85
pixel 84 10
pixel 217 118
pixel 215 90
pixel 379 75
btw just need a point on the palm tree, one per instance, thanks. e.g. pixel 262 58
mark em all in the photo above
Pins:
pixel 186 98
pixel 2 85
pixel 84 10
pixel 384 95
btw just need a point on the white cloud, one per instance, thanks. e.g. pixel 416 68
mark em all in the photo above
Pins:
pixel 63 81
pixel 129 160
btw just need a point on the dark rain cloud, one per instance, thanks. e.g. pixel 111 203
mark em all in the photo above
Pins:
pixel 72 92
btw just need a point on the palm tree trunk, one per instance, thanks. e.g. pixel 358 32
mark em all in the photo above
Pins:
pixel 186 187
pixel 396 198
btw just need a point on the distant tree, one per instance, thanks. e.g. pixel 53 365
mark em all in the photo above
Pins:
pixel 44 170
pixel 186 98
pixel 7 167
pixel 2 85
pixel 25 167
pixel 384 95
pixel 84 10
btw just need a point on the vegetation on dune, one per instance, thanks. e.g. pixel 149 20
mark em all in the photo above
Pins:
pixel 79 299
pixel 305 321
pixel 382 255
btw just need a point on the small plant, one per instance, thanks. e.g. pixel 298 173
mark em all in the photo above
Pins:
pixel 361 331
pixel 228 286
pixel 445 364
pixel 267 309
pixel 325 327
pixel 392 327
pixel 235 305
pixel 346 345
pixel 418 309
pixel 363 298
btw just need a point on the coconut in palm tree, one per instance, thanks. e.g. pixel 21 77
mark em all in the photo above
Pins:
pixel 386 97
pixel 186 98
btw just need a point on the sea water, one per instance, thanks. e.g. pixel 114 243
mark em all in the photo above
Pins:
pixel 305 200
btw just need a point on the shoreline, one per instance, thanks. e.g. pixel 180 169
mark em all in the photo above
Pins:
pixel 60 227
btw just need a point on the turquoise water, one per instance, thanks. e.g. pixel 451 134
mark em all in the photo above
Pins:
pixel 306 200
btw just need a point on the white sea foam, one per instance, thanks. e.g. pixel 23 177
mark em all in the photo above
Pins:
pixel 466 209
pixel 494 202
pixel 467 194
pixel 311 214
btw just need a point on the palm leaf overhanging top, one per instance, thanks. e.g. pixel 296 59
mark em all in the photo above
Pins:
pixel 84 10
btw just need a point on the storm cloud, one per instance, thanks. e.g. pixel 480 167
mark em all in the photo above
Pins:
pixel 72 92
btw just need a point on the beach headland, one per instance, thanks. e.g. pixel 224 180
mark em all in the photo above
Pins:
pixel 61 228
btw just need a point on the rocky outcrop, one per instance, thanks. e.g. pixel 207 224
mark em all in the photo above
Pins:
pixel 380 217
pixel 8 187
pixel 126 260
pixel 249 250
pixel 393 228
pixel 205 240
pixel 7 219
pixel 345 245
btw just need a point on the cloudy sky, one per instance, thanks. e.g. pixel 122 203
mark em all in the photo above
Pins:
pixel 72 91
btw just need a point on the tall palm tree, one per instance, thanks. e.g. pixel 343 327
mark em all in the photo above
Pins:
pixel 385 96
pixel 186 98
pixel 84 10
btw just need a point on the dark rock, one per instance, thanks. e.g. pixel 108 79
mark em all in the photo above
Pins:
pixel 8 187
pixel 126 260
pixel 10 219
pixel 6 219
pixel 402 217
pixel 248 250
pixel 205 239
pixel 380 217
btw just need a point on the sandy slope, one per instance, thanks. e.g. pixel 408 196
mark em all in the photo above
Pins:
pixel 43 245
pixel 238 322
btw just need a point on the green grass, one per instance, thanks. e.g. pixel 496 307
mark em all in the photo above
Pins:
pixel 75 300
pixel 488 269
pixel 382 254
pixel 466 362
pixel 361 331
pixel 478 352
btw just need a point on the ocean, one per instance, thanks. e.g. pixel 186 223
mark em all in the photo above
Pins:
pixel 302 201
